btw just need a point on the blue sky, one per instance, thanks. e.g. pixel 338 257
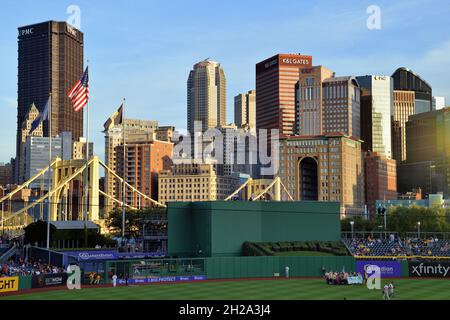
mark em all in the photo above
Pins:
pixel 143 50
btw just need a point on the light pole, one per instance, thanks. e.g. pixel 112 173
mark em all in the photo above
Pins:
pixel 418 230
pixel 351 226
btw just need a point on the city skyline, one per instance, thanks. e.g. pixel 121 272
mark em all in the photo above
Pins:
pixel 142 60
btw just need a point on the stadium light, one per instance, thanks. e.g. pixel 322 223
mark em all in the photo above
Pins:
pixel 351 225
pixel 418 229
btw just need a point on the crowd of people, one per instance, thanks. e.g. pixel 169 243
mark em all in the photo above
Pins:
pixel 371 246
pixel 29 267
pixel 339 278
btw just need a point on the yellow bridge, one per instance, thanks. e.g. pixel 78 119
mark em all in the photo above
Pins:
pixel 68 197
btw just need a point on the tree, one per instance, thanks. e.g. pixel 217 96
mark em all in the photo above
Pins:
pixel 361 224
pixel 133 219
pixel 114 222
pixel 404 219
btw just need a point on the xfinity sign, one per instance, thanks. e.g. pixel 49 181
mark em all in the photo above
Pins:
pixel 430 269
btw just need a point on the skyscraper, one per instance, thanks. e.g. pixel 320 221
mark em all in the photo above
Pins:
pixel 245 110
pixel 404 106
pixel 309 110
pixel 377 103
pixel 50 60
pixel 327 103
pixel 276 80
pixel 24 133
pixel 407 80
pixel 113 139
pixel 144 158
pixel 324 168
pixel 206 95
pixel 412 95
pixel 427 162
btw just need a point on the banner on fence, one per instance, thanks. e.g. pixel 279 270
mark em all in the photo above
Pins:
pixel 431 269
pixel 355 280
pixel 163 279
pixel 9 284
pixel 141 255
pixel 112 255
pixel 93 255
pixel 48 280
pixel 389 269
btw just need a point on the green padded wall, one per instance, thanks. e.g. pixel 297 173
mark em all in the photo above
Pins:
pixel 263 267
pixel 220 228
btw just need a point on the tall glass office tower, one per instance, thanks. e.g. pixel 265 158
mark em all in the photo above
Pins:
pixel 377 103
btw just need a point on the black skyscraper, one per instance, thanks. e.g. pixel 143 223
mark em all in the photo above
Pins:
pixel 50 60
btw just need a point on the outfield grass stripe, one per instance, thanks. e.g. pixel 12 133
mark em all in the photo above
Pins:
pixel 249 289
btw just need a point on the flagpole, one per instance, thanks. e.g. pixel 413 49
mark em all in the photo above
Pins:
pixel 87 174
pixel 49 215
pixel 123 168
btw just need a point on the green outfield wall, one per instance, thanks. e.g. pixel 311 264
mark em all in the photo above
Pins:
pixel 254 267
pixel 219 228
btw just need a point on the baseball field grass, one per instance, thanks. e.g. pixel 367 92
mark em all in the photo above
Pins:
pixel 279 289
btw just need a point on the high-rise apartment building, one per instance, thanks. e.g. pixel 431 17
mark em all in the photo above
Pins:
pixel 144 158
pixel 327 104
pixel 50 61
pixel 206 95
pixel 194 182
pixel 324 168
pixel 380 180
pixel 245 110
pixel 407 80
pixel 113 139
pixel 377 104
pixel 276 81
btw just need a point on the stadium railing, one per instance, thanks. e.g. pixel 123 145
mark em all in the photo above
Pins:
pixel 402 257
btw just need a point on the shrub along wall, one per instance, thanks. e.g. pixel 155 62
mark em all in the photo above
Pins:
pixel 269 248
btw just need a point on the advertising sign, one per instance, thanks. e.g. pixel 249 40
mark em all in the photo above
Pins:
pixel 389 269
pixel 429 269
pixel 9 284
pixel 48 280
pixel 162 279
pixel 93 255
pixel 112 255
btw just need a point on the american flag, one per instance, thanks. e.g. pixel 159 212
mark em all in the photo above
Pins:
pixel 80 92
